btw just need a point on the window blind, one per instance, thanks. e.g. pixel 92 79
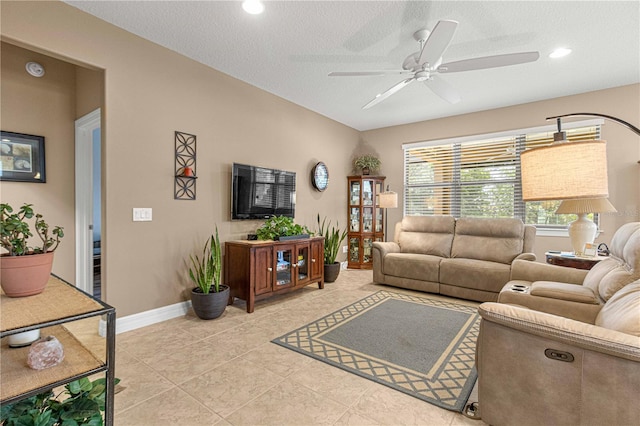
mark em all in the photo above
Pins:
pixel 479 177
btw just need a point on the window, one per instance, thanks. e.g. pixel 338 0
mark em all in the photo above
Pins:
pixel 480 176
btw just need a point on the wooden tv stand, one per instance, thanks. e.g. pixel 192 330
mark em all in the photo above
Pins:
pixel 256 270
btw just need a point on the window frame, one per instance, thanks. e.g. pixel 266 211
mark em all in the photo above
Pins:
pixel 519 137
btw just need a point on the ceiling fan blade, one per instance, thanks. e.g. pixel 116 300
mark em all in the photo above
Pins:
pixel 437 42
pixel 489 62
pixel 361 73
pixel 384 95
pixel 443 89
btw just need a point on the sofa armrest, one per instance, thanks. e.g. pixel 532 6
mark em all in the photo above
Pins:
pixel 526 256
pixel 524 270
pixel 380 250
pixel 564 330
pixel 385 248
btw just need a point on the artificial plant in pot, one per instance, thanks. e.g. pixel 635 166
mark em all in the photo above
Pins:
pixel 25 270
pixel 367 163
pixel 333 237
pixel 281 228
pixel 209 298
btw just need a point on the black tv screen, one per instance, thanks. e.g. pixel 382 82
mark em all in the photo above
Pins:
pixel 259 192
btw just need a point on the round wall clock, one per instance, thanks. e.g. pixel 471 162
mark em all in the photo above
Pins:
pixel 320 176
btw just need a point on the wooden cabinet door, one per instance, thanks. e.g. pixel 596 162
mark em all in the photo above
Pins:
pixel 263 270
pixel 303 264
pixel 317 260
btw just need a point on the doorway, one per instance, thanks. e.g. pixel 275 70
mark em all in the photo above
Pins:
pixel 89 262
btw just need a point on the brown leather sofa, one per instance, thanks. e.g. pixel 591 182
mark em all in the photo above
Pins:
pixel 563 345
pixel 536 368
pixel 553 289
pixel 468 258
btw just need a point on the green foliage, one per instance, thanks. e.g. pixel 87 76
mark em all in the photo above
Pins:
pixel 206 271
pixel 15 231
pixel 280 226
pixel 83 406
pixel 333 237
pixel 367 161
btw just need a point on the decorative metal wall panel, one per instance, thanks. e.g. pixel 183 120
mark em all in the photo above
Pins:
pixel 185 166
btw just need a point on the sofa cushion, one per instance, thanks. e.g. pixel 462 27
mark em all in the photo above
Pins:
pixel 495 240
pixel 474 274
pixel 427 235
pixel 622 311
pixel 410 265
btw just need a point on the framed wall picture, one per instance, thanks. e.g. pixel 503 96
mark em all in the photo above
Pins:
pixel 22 158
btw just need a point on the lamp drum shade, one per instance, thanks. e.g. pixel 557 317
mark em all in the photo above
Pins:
pixel 564 171
pixel 388 200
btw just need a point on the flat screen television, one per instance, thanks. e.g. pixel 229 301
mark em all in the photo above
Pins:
pixel 260 192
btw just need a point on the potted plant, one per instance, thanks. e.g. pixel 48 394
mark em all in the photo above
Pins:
pixel 333 237
pixel 83 406
pixel 209 298
pixel 367 163
pixel 25 270
pixel 281 228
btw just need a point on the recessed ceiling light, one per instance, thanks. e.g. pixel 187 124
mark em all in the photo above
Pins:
pixel 560 52
pixel 254 7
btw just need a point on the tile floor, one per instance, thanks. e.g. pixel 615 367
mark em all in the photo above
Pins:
pixel 186 371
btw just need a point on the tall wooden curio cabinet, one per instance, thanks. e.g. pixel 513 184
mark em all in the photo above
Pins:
pixel 365 219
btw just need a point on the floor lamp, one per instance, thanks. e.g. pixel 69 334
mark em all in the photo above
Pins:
pixel 387 200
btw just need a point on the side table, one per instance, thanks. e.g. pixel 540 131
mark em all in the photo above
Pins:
pixel 571 260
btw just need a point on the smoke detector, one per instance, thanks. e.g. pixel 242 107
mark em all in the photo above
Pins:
pixel 35 69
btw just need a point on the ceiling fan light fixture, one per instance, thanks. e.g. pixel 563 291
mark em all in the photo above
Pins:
pixel 560 52
pixel 253 7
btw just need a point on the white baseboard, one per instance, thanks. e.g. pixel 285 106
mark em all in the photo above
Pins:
pixel 143 319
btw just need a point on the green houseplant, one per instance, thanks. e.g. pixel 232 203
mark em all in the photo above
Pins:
pixel 277 227
pixel 333 237
pixel 84 405
pixel 25 270
pixel 209 298
pixel 367 163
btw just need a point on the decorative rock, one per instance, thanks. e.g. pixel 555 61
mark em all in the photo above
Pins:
pixel 44 353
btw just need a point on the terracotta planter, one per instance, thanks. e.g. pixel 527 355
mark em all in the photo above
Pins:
pixel 27 275
pixel 209 306
pixel 331 272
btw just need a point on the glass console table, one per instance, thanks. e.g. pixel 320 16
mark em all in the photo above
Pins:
pixel 53 311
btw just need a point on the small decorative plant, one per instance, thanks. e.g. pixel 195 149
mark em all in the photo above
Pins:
pixel 367 163
pixel 333 237
pixel 15 231
pixel 280 226
pixel 206 271
pixel 83 406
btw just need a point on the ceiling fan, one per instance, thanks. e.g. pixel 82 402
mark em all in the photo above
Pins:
pixel 424 64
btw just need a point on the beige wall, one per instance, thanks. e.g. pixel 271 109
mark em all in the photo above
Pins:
pixel 623 148
pixel 148 92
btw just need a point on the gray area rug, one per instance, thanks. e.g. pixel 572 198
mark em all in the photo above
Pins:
pixel 422 346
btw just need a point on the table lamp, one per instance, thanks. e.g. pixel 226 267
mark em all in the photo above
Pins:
pixel 387 200
pixel 583 230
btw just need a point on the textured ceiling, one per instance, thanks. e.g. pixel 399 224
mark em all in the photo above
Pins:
pixel 293 45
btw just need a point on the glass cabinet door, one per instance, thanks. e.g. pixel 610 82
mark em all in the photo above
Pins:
pixel 354 194
pixel 354 219
pixel 367 219
pixel 367 193
pixel 354 250
pixel 379 220
pixel 367 246
pixel 284 256
pixel 303 263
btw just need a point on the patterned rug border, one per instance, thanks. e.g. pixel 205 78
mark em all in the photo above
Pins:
pixel 455 379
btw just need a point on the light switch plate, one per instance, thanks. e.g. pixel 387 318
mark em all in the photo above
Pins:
pixel 142 214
